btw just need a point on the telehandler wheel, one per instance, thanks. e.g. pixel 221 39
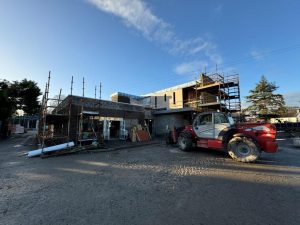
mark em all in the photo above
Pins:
pixel 243 149
pixel 185 141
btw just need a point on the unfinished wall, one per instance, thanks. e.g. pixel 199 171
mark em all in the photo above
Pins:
pixel 148 113
pixel 91 108
pixel 129 123
pixel 208 98
pixel 161 103
pixel 102 108
pixel 189 97
pixel 161 122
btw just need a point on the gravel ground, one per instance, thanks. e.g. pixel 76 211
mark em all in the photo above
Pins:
pixel 153 184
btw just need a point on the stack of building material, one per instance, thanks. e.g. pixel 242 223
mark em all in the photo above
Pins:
pixel 18 129
pixel 132 134
pixel 142 135
pixel 139 133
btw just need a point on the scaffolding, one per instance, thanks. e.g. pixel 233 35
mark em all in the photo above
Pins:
pixel 232 99
pixel 44 131
pixel 64 117
pixel 216 92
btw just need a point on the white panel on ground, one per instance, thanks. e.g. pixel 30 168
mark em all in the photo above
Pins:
pixel 50 149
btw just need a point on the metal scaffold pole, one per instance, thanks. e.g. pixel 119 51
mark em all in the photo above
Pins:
pixel 70 110
pixel 81 114
pixel 100 90
pixel 58 101
pixel 44 115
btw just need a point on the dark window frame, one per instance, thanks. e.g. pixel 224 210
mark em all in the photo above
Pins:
pixel 174 98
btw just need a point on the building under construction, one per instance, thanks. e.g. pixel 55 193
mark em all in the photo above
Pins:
pixel 210 92
pixel 214 92
pixel 85 120
pixel 176 106
pixel 82 119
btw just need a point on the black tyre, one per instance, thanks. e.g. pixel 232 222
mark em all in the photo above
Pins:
pixel 243 149
pixel 185 141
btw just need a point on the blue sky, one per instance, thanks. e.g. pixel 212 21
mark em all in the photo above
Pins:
pixel 138 46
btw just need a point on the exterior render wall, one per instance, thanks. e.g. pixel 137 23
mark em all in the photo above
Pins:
pixel 167 121
pixel 168 102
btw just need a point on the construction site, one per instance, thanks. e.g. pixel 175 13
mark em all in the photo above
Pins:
pixel 87 121
pixel 148 112
pixel 178 105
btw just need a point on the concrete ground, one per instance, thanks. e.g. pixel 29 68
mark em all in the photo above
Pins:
pixel 148 185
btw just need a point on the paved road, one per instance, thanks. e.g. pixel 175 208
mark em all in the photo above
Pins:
pixel 148 185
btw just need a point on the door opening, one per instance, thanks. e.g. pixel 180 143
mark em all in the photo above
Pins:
pixel 149 123
pixel 114 129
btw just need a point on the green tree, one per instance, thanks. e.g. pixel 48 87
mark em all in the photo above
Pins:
pixel 7 106
pixel 263 100
pixel 25 96
pixel 18 95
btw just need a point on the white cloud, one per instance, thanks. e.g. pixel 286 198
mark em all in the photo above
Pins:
pixel 191 46
pixel 137 14
pixel 192 67
pixel 256 55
